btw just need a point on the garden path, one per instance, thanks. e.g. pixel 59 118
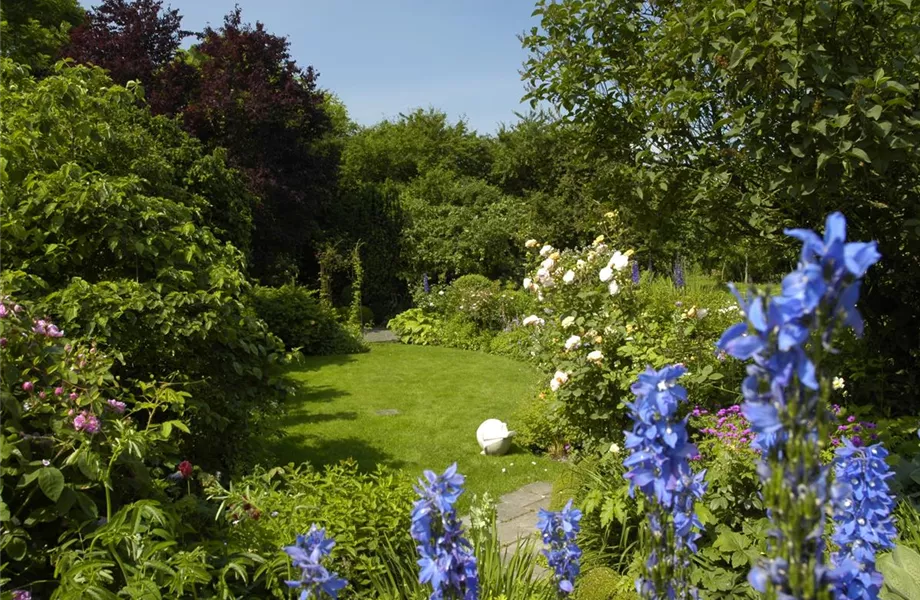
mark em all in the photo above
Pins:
pixel 380 335
pixel 517 511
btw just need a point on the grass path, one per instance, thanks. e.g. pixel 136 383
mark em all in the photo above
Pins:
pixel 441 395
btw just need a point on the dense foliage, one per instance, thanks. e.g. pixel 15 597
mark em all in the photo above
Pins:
pixel 131 40
pixel 302 322
pixel 742 120
pixel 34 31
pixel 121 228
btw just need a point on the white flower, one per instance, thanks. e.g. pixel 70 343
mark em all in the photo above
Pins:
pixel 545 250
pixel 618 261
pixel 614 448
pixel 528 282
pixel 596 356
pixel 573 342
pixel 533 462
pixel 531 244
pixel 838 383
pixel 46 462
pixel 558 379
pixel 598 240
pixel 549 263
pixel 533 320
pixel 568 322
pixel 504 469
pixel 701 312
pixel 601 248
pixel 614 288
pixel 441 293
pixel 548 310
pixel 580 264
pixel 569 276
pixel 605 274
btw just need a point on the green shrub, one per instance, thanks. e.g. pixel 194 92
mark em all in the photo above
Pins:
pixel 541 426
pixel 295 315
pixel 367 316
pixel 77 447
pixel 517 343
pixel 368 514
pixel 460 332
pixel 120 228
pixel 414 326
pixel 603 583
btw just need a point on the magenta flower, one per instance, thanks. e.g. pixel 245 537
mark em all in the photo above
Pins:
pixel 47 328
pixel 117 406
pixel 58 391
pixel 74 396
pixel 27 386
pixel 86 422
pixel 2 342
pixel 3 311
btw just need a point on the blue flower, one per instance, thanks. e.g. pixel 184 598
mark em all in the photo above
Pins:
pixel 559 530
pixel 679 273
pixel 862 515
pixel 659 467
pixel 635 272
pixel 446 557
pixel 783 402
pixel 307 555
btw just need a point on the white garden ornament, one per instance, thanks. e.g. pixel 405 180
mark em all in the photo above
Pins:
pixel 493 437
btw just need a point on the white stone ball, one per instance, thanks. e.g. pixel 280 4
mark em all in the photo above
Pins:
pixel 493 437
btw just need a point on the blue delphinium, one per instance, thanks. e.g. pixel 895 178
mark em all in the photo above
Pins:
pixel 447 560
pixel 863 520
pixel 659 467
pixel 679 273
pixel 635 272
pixel 307 555
pixel 786 398
pixel 425 283
pixel 559 530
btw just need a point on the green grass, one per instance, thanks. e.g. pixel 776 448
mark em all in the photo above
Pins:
pixel 442 396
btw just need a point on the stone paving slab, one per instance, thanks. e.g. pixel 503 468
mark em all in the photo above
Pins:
pixel 380 335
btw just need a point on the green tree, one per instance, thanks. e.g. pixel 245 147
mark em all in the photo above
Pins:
pixel 743 119
pixel 32 32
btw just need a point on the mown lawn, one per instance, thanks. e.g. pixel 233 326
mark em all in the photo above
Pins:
pixel 441 395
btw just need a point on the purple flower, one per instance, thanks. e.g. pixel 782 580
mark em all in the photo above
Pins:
pixel 47 328
pixel 27 386
pixel 116 406
pixel 21 594
pixel 86 422
pixel 559 530
pixel 862 514
pixel 659 467
pixel 307 555
pixel 782 400
pixel 446 557
pixel 3 342
pixel 59 391
pixel 425 284
pixel 635 272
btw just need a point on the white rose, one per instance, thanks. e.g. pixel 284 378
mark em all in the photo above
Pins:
pixel 573 342
pixel 606 273
pixel 614 288
pixel 568 322
pixel 542 273
pixel 545 250
pixel 549 263
pixel 531 244
pixel 618 261
pixel 558 379
pixel 528 283
pixel 569 276
pixel 596 356
pixel 533 320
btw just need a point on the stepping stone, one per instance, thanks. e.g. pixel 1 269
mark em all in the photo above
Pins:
pixel 386 412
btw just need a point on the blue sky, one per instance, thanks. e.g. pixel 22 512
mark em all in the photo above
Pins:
pixel 383 57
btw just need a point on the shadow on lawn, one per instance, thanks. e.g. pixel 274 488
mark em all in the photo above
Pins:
pixel 319 451
pixel 315 363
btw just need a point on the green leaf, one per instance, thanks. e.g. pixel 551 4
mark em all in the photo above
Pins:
pixel 860 154
pixel 875 112
pixel 51 481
